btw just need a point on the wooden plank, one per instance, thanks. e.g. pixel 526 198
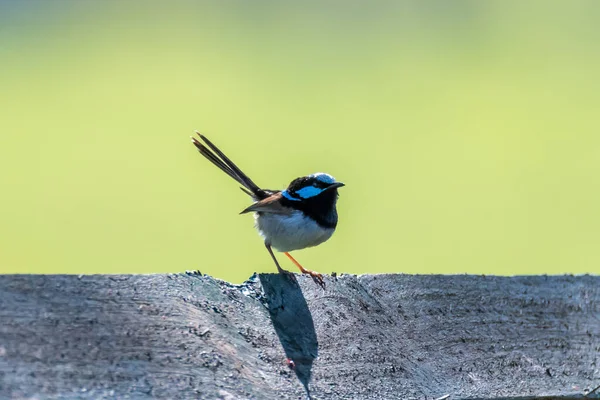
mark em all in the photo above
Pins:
pixel 373 336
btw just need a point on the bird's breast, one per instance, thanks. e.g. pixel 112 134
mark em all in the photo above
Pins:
pixel 294 231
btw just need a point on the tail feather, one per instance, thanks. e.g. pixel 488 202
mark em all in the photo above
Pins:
pixel 219 159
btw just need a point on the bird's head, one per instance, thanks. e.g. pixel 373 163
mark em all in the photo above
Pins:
pixel 318 186
pixel 316 196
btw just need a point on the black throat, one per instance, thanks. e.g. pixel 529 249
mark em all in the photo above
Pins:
pixel 321 208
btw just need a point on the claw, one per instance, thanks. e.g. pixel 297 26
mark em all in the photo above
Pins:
pixel 289 275
pixel 317 277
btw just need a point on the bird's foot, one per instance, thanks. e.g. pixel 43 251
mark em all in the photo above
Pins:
pixel 317 277
pixel 289 275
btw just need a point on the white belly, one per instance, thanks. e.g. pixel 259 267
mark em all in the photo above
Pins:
pixel 290 232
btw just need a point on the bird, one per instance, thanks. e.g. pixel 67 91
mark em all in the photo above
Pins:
pixel 302 215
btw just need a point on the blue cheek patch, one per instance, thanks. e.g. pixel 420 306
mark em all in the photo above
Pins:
pixel 308 192
pixel 288 196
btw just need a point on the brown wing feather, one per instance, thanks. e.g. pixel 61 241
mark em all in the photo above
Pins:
pixel 271 204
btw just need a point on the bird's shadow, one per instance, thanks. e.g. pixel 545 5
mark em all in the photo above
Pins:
pixel 293 323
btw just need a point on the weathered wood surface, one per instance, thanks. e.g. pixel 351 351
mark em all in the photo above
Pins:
pixel 367 337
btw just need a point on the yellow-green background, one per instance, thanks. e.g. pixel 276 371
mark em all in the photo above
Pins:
pixel 467 132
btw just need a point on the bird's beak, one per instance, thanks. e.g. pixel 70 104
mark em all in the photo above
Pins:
pixel 335 185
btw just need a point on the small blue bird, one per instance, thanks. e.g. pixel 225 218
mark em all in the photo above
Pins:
pixel 303 215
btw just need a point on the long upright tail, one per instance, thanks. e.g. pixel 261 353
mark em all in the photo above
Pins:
pixel 217 157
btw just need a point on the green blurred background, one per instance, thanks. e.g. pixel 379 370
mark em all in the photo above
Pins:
pixel 467 133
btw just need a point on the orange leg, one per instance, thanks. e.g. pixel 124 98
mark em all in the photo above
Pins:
pixel 317 277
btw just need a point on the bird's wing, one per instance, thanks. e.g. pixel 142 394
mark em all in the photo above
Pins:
pixel 271 204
